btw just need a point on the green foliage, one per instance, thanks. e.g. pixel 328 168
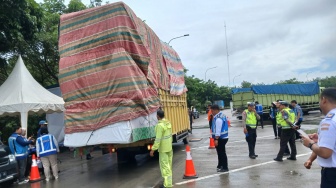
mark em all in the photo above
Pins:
pixel 75 5
pixel 327 82
pixel 246 84
pixel 290 81
pixel 201 93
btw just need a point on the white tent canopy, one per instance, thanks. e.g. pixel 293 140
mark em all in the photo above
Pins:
pixel 21 94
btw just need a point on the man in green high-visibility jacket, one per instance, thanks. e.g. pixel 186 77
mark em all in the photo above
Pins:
pixel 163 143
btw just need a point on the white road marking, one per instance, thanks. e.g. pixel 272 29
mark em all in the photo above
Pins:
pixel 235 170
pixel 228 142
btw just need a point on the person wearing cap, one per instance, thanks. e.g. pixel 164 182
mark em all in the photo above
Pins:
pixel 287 131
pixel 42 123
pixel 299 117
pixel 278 119
pixel 323 144
pixel 250 117
pixel 259 109
pixel 47 149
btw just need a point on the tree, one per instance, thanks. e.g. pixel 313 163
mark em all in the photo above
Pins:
pixel 20 20
pixel 74 6
pixel 290 81
pixel 246 84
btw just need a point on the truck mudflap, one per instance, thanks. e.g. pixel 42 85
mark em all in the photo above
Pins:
pixel 179 137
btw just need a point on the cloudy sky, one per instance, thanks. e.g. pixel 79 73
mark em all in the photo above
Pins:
pixel 268 41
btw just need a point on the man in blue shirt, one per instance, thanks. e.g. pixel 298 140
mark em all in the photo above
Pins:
pixel 299 117
pixel 259 109
pixel 18 147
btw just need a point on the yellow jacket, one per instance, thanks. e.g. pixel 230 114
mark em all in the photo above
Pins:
pixel 163 136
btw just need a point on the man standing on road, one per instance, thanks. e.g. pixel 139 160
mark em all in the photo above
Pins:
pixel 18 147
pixel 299 117
pixel 287 132
pixel 323 144
pixel 163 143
pixel 250 117
pixel 47 149
pixel 220 133
pixel 260 112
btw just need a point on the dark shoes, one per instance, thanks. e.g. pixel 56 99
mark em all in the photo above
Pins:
pixel 277 159
pixel 291 158
pixel 222 169
pixel 252 157
pixel 286 154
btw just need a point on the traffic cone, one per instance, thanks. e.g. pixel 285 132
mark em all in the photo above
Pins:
pixel 212 144
pixel 34 171
pixel 190 172
pixel 229 122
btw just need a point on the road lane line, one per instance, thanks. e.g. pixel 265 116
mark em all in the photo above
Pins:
pixel 228 142
pixel 235 170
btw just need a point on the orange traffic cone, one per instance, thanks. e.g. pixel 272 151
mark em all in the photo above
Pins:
pixel 34 171
pixel 229 122
pixel 212 144
pixel 190 172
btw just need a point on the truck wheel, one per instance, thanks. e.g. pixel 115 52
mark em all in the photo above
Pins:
pixel 185 141
pixel 124 156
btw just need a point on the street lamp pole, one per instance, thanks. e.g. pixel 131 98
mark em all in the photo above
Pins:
pixel 227 54
pixel 178 37
pixel 207 71
pixel 234 78
pixel 307 75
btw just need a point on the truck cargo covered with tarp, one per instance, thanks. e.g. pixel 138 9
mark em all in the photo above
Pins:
pixel 306 94
pixel 112 66
pixel 311 88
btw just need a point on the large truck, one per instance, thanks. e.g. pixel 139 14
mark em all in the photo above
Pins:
pixel 307 95
pixel 114 74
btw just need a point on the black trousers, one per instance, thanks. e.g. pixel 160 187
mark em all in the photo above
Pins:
pixel 275 127
pixel 287 135
pixel 251 140
pixel 221 153
pixel 297 134
pixel 328 179
pixel 261 121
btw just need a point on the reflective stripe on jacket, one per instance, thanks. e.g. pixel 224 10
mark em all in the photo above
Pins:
pixel 251 119
pixel 46 145
pixel 225 128
pixel 291 117
pixel 163 136
pixel 20 152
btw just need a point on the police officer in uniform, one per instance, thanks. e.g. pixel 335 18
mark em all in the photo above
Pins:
pixel 287 132
pixel 250 118
pixel 278 120
pixel 323 144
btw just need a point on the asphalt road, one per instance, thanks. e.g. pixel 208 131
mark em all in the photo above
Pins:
pixel 103 171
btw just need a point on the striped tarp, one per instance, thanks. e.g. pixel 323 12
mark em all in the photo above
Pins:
pixel 111 66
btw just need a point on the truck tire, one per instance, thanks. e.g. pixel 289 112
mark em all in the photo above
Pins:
pixel 185 141
pixel 125 156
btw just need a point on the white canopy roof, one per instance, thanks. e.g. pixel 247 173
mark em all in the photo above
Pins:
pixel 21 94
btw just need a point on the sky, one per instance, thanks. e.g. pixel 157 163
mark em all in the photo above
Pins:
pixel 267 41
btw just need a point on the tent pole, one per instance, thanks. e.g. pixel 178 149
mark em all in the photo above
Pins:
pixel 24 120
